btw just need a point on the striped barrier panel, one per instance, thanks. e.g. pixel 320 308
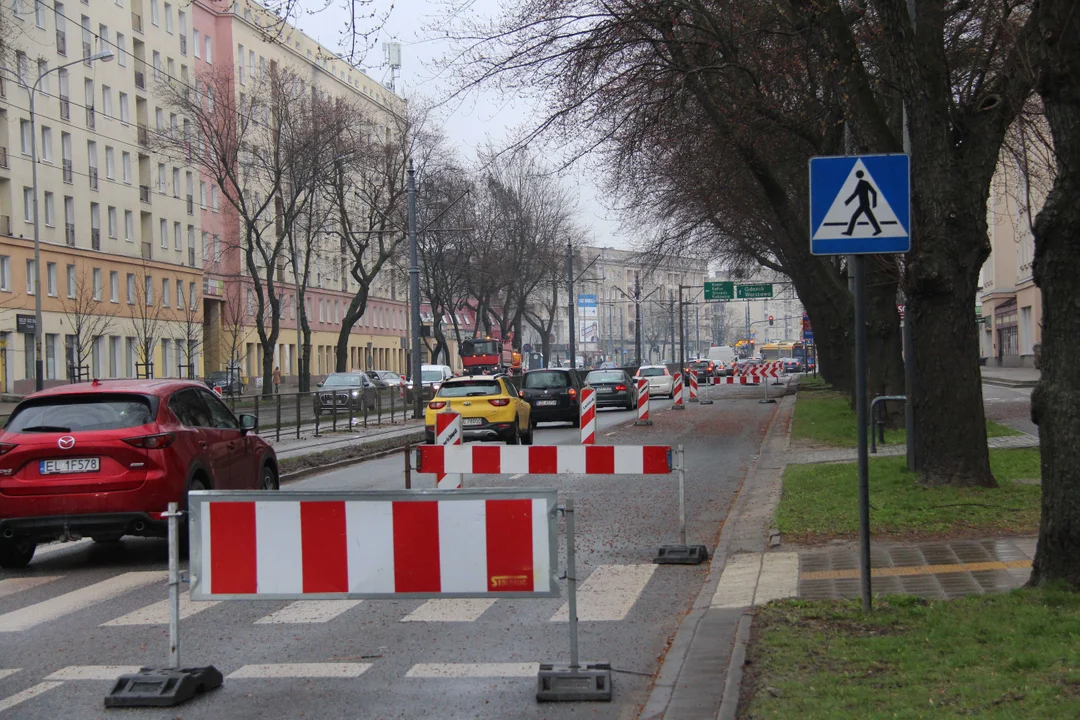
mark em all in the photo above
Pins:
pixel 677 391
pixel 643 402
pixel 545 459
pixel 587 408
pixel 376 544
pixel 448 432
pixel 737 380
pixel 692 377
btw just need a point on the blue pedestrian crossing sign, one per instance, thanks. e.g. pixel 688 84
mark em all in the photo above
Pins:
pixel 860 204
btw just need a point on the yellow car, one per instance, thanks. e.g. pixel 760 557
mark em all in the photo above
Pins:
pixel 490 409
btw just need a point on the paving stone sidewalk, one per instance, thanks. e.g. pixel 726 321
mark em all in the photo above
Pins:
pixel 835 455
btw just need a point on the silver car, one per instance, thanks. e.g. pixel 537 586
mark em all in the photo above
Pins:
pixel 660 380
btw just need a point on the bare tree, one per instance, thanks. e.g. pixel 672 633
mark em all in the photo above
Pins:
pixel 148 319
pixel 191 324
pixel 234 324
pixel 86 320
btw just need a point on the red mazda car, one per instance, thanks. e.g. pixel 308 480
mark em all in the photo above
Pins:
pixel 104 459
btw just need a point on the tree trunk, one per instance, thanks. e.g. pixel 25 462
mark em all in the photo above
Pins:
pixel 1055 403
pixel 884 343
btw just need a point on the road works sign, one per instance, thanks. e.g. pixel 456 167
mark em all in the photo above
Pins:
pixel 760 291
pixel 719 291
pixel 860 204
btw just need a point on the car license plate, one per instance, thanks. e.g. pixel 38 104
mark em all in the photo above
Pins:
pixel 604 389
pixel 466 422
pixel 69 465
pixel 547 402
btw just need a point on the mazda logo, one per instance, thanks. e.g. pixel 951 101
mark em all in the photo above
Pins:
pixel 66 443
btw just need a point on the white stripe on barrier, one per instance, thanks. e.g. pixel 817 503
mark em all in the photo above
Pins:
pixel 300 670
pixel 462 539
pixel 370 529
pixel 543 460
pixel 61 605
pixel 449 610
pixel 473 670
pixel 540 556
pixel 303 612
pixel 277 547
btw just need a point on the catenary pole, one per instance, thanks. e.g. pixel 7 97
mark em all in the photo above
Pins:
pixel 414 298
pixel 571 328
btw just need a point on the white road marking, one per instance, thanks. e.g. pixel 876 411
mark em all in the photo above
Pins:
pixel 473 670
pixel 62 605
pixel 8 672
pixel 449 610
pixel 738 581
pixel 610 433
pixel 31 692
pixel 158 613
pixel 779 577
pixel 608 593
pixel 301 670
pixel 49 549
pixel 515 477
pixel 18 584
pixel 92 672
pixel 308 611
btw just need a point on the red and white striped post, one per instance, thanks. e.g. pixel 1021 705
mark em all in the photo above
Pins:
pixel 643 403
pixel 448 432
pixel 677 392
pixel 588 416
pixel 693 386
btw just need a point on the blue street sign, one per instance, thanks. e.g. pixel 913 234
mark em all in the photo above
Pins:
pixel 808 336
pixel 860 204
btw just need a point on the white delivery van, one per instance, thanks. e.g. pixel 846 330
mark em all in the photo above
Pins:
pixel 722 354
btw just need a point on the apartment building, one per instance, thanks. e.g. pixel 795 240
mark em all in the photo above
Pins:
pixel 247 38
pixel 118 236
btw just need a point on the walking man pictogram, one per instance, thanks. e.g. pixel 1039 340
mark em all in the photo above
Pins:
pixel 863 191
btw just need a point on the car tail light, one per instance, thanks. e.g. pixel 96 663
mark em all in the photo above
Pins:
pixel 666 373
pixel 152 442
pixel 500 402
pixel 436 404
pixel 5 448
pixel 572 392
pixel 521 393
pixel 620 388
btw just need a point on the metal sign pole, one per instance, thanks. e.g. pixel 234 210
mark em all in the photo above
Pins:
pixel 857 263
pixel 174 585
pixel 571 583
pixel 767 400
pixel 682 498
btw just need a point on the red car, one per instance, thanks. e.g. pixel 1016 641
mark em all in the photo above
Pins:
pixel 104 459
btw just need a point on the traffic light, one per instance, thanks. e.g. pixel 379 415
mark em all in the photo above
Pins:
pixel 770 320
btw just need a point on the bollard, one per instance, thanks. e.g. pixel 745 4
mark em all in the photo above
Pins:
pixel 677 392
pixel 408 467
pixel 391 406
pixel 298 416
pixel 587 410
pixel 643 402
pixel 333 412
pixel 693 385
pixel 277 436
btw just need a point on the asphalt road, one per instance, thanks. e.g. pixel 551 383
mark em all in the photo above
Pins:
pixel 83 606
pixel 1010 406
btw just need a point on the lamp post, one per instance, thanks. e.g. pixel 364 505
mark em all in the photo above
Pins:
pixel 39 379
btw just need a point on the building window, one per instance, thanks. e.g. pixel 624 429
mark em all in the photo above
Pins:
pixel 168 18
pixel 5 273
pixel 46 144
pixel 154 15
pixel 125 166
pixel 114 286
pixel 112 222
pixel 179 294
pixel 209 50
pixel 191 295
pixel 121 53
pixel 97 284
pixel 106 101
pixel 28 204
pixel 50 209
pixel 148 289
pixel 196 41
pixel 110 163
pixel 72 286
pixel 202 194
pixel 213 197
pixel 165 292
pixel 164 233
pixel 50 279
pixel 129 226
pixel 124 108
pixel 130 289
pixel 24 136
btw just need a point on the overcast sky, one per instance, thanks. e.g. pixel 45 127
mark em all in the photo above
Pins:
pixel 478 120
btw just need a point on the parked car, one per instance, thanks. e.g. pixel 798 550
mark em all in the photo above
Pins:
pixel 388 376
pixel 554 394
pixel 792 365
pixel 228 380
pixel 608 365
pixel 613 387
pixel 489 406
pixel 104 459
pixel 348 392
pixel 660 380
pixel 431 378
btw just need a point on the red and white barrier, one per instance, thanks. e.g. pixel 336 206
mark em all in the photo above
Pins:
pixel 693 387
pixel 286 545
pixel 677 390
pixel 588 416
pixel 643 402
pixel 448 432
pixel 737 380
pixel 545 460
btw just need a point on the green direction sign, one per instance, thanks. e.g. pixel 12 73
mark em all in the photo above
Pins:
pixel 719 291
pixel 761 291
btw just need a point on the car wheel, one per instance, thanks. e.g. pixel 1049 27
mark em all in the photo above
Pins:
pixel 16 553
pixel 527 438
pixel 268 479
pixel 576 422
pixel 515 435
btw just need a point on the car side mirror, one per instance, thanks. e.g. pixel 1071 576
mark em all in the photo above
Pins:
pixel 248 423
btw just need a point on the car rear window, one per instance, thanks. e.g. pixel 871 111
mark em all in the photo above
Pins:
pixel 651 372
pixel 700 363
pixel 75 413
pixel 470 388
pixel 547 380
pixel 604 377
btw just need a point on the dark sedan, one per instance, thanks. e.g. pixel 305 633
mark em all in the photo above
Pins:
pixel 228 380
pixel 613 388
pixel 553 394
pixel 792 365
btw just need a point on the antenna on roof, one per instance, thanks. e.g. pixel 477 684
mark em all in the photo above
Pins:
pixel 392 54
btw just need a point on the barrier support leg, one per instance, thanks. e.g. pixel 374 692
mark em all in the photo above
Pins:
pixel 767 400
pixel 173 685
pixel 577 681
pixel 707 400
pixel 681 554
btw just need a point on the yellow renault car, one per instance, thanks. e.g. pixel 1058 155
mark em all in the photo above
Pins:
pixel 490 409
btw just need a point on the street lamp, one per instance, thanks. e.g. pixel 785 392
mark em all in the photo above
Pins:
pixel 39 380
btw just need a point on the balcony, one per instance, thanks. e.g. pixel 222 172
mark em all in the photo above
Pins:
pixel 69 174
pixel 144 193
pixel 65 108
pixel 183 44
pixel 191 257
pixel 136 22
pixel 86 53
pixel 147 251
pixel 69 234
pixel 90 117
pixel 190 205
pixel 93 178
pixel 144 135
pixel 61 43
pixel 3 158
pixel 95 238
pixel 140 79
pixel 5 225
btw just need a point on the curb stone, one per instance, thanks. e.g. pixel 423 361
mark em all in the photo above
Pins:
pixel 386 447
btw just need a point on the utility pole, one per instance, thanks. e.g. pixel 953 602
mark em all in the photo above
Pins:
pixel 570 303
pixel 748 323
pixel 637 319
pixel 697 329
pixel 671 320
pixel 622 336
pixel 414 299
pixel 682 331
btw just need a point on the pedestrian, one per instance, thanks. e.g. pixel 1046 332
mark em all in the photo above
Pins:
pixel 277 378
